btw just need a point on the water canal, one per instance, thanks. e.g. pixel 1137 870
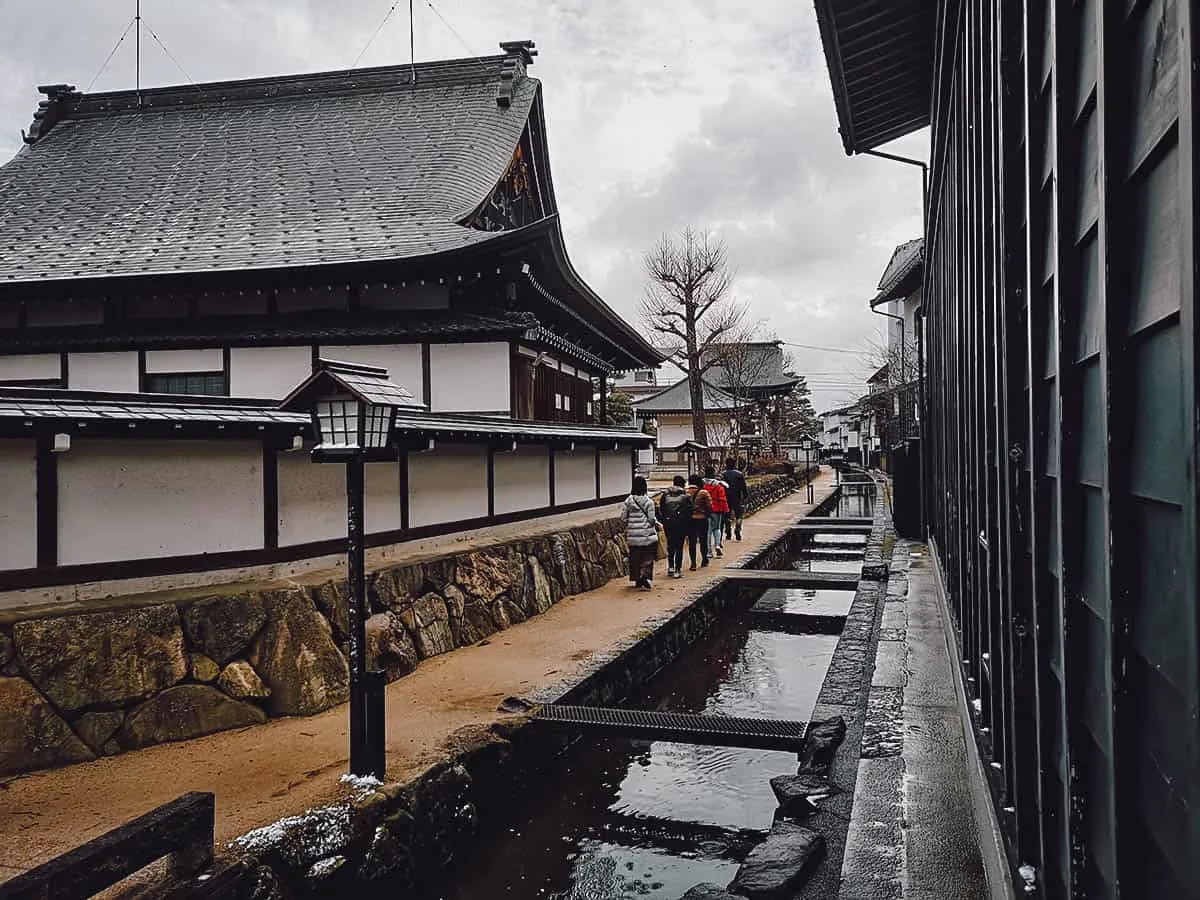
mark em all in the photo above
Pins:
pixel 616 818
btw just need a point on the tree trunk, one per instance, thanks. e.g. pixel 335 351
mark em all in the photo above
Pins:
pixel 695 385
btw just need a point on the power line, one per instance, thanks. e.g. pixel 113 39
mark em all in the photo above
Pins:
pixel 111 54
pixel 826 349
pixel 375 34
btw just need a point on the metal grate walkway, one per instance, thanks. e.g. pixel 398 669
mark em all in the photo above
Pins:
pixel 836 520
pixel 791 578
pixel 683 728
pixel 842 527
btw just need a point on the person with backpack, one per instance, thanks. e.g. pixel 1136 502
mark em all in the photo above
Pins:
pixel 717 490
pixel 675 511
pixel 701 510
pixel 736 493
pixel 641 534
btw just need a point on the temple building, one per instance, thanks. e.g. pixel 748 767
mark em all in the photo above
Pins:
pixel 175 260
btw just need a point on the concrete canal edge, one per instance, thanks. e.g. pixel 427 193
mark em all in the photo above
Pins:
pixel 389 838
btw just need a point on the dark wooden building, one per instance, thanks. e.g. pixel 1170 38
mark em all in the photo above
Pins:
pixel 1061 408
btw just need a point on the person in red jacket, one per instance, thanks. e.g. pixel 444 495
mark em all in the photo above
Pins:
pixel 718 490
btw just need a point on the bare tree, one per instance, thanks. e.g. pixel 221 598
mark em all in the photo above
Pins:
pixel 687 301
pixel 741 365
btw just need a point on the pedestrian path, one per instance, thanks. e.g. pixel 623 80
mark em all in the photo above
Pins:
pixel 286 766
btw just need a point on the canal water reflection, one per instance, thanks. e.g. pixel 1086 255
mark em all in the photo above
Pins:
pixel 632 819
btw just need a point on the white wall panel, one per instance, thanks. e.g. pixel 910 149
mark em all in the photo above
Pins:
pixel 164 362
pixel 522 480
pixel 18 504
pixel 123 500
pixel 447 485
pixel 470 377
pixel 402 361
pixel 312 500
pixel 269 373
pixel 26 367
pixel 616 473
pixel 381 486
pixel 116 372
pixel 575 476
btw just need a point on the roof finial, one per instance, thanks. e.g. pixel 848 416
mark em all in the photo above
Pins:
pixel 519 55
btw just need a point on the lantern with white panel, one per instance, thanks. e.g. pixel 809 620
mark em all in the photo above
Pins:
pixel 353 409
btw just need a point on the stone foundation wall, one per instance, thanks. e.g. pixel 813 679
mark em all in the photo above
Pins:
pixel 80 686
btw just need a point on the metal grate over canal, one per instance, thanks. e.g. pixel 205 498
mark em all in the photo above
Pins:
pixel 686 728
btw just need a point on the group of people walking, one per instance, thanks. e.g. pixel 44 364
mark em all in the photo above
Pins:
pixel 701 512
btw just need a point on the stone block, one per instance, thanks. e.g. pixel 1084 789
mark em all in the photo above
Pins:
pixel 204 669
pixel 540 591
pixel 821 742
pixel 710 892
pixel 428 621
pixel 333 600
pixel 775 869
pixel 389 645
pixel 486 574
pixel 98 728
pixel 222 627
pixel 32 734
pixel 182 712
pixel 103 658
pixel 296 657
pixel 240 681
pixel 795 793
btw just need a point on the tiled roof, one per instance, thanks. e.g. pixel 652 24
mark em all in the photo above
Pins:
pixel 677 398
pixel 759 364
pixel 72 409
pixel 902 270
pixel 304 170
pixel 237 331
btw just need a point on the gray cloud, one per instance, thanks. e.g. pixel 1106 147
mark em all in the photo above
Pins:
pixel 678 112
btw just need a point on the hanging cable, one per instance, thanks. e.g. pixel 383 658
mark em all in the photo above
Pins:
pixel 371 39
pixel 111 54
pixel 170 55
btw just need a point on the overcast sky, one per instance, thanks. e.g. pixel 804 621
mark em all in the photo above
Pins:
pixel 705 112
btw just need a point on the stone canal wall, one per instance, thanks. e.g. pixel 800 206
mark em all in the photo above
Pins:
pixel 79 686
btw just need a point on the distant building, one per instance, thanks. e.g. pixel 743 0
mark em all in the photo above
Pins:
pixel 669 414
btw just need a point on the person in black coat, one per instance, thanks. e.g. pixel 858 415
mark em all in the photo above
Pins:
pixel 736 492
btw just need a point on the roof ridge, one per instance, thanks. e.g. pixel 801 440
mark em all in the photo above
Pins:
pixel 431 74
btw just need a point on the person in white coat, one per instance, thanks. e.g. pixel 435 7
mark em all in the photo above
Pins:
pixel 641 534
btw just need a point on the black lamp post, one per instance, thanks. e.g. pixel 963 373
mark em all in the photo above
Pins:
pixel 353 412
pixel 808 447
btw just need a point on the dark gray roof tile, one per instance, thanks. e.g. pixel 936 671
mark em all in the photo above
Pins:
pixel 327 168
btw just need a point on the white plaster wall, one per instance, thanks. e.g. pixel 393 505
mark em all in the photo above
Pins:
pixel 18 504
pixel 116 372
pixel 575 476
pixel 312 500
pixel 164 362
pixel 447 485
pixel 616 473
pixel 673 433
pixel 40 365
pixel 402 361
pixel 381 490
pixel 522 480
pixel 121 500
pixel 469 377
pixel 269 373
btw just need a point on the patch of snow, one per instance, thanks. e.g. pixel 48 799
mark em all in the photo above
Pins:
pixel 322 831
pixel 325 866
pixel 361 782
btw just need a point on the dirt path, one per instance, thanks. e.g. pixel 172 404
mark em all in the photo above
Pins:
pixel 263 773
